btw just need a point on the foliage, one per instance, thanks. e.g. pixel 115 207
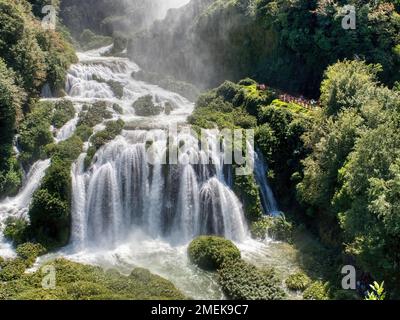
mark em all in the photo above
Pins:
pixel 298 281
pixel 210 252
pixel 242 281
pixel 34 133
pixel 377 293
pixel 278 228
pixel 16 230
pixel 77 281
pixel 12 269
pixel 28 252
pixel 145 107
pixel 316 291
pixel 94 114
pixel 63 112
pixel 88 40
pixel 248 190
pixel 99 139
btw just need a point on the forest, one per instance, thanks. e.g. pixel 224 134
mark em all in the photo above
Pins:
pixel 82 108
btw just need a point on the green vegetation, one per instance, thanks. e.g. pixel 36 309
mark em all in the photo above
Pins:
pixel 377 293
pixel 28 252
pixel 242 281
pixel 298 281
pixel 16 230
pixel 238 279
pixel 210 252
pixel 316 291
pixel 94 114
pixel 99 139
pixel 83 282
pixel 145 107
pixel 278 228
pixel 88 40
pixel 35 134
pixel 63 112
pixel 284 43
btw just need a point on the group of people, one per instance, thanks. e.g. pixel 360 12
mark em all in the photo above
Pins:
pixel 302 101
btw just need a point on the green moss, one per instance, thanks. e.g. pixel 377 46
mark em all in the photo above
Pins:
pixel 116 87
pixel 316 291
pixel 298 281
pixel 83 282
pixel 242 281
pixel 209 252
pixel 145 107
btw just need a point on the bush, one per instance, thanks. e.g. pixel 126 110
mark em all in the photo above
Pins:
pixel 16 230
pixel 209 252
pixel 316 291
pixel 94 114
pixel 28 252
pixel 277 228
pixel 248 191
pixel 298 281
pixel 34 133
pixel 12 269
pixel 145 107
pixel 242 281
pixel 64 111
pixel 84 132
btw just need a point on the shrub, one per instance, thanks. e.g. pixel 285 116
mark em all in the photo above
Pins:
pixel 277 228
pixel 145 107
pixel 316 291
pixel 298 281
pixel 94 114
pixel 16 230
pixel 28 252
pixel 88 40
pixel 84 132
pixel 242 281
pixel 63 112
pixel 248 190
pixel 12 269
pixel 209 252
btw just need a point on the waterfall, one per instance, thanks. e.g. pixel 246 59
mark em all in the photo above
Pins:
pixel 129 188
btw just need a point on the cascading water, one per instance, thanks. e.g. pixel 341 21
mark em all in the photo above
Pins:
pixel 131 209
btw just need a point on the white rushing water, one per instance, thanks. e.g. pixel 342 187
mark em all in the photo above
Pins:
pixel 129 208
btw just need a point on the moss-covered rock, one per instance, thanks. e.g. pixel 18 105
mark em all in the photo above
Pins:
pixel 242 281
pixel 209 252
pixel 316 291
pixel 298 281
pixel 145 107
pixel 84 282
